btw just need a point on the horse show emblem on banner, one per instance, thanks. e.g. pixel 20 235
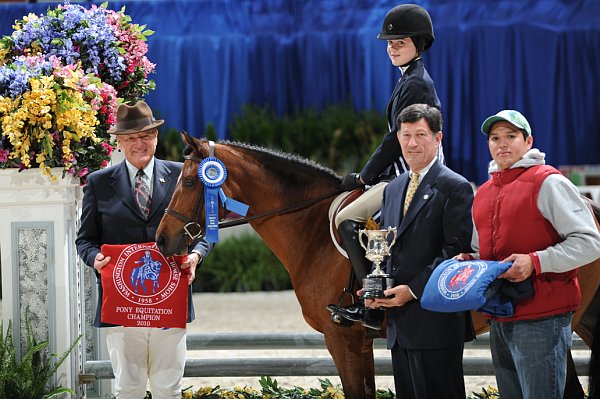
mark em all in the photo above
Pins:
pixel 458 278
pixel 143 288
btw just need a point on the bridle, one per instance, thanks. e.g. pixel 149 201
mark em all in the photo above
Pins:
pixel 193 229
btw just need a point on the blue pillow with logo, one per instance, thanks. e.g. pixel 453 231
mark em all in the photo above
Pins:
pixel 456 286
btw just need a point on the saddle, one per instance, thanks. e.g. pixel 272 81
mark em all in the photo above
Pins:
pixel 339 203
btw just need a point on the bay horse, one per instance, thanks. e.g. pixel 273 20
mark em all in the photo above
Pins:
pixel 289 198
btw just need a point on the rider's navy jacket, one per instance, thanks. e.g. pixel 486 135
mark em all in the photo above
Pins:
pixel 414 87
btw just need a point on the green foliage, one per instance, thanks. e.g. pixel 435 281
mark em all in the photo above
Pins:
pixel 340 137
pixel 486 393
pixel 28 377
pixel 270 389
pixel 241 263
pixel 170 146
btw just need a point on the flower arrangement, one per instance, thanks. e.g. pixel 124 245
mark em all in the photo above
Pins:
pixel 62 76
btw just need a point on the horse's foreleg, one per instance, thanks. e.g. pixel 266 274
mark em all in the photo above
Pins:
pixel 368 362
pixel 346 347
pixel 133 282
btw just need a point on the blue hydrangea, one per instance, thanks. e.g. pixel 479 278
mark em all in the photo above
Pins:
pixel 14 78
pixel 74 33
pixel 13 82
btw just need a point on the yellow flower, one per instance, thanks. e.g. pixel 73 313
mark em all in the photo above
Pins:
pixel 40 158
pixel 204 391
pixel 334 393
pixel 30 17
pixel 31 119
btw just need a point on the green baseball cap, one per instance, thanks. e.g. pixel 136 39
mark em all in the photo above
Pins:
pixel 510 116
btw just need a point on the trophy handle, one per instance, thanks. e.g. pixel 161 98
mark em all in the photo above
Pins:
pixel 392 232
pixel 362 233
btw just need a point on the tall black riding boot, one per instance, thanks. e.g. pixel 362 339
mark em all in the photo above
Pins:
pixel 348 231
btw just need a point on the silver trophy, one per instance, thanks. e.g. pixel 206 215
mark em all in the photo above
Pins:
pixel 377 249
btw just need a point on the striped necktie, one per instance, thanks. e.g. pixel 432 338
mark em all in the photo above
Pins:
pixel 410 192
pixel 142 193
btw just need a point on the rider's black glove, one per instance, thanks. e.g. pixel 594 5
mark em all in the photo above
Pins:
pixel 350 182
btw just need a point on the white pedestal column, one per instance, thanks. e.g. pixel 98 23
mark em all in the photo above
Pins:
pixel 38 226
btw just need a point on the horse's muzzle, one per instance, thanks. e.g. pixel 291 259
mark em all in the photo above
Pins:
pixel 171 247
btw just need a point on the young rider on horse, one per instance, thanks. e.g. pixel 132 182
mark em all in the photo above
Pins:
pixel 408 31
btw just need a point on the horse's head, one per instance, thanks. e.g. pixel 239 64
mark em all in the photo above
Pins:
pixel 183 219
pixel 280 188
pixel 156 265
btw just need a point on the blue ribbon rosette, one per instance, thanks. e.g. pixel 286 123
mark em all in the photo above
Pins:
pixel 212 174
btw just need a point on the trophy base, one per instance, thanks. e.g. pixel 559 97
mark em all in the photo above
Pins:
pixel 375 285
pixel 374 295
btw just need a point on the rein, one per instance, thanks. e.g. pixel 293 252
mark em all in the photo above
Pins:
pixel 279 211
pixel 275 212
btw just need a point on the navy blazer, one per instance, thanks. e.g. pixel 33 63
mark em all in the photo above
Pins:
pixel 414 87
pixel 110 215
pixel 436 227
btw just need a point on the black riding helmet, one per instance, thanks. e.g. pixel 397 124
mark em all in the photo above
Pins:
pixel 408 20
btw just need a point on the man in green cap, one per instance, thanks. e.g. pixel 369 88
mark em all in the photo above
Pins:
pixel 529 214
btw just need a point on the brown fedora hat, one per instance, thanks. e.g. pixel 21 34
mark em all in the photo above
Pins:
pixel 134 119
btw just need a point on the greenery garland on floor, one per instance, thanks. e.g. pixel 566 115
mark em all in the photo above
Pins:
pixel 270 389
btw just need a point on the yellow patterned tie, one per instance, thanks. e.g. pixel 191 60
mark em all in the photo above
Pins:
pixel 412 187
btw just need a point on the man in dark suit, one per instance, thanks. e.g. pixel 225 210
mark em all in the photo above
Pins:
pixel 431 209
pixel 124 204
pixel 408 30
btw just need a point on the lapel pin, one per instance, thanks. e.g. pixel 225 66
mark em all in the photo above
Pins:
pixel 426 197
pixel 160 179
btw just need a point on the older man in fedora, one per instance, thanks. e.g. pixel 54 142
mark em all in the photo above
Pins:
pixel 123 204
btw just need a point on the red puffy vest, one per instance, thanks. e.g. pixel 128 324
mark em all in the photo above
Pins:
pixel 508 221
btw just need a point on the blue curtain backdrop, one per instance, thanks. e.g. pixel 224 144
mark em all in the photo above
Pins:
pixel 540 57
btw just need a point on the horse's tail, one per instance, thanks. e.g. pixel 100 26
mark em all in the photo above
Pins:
pixel 594 372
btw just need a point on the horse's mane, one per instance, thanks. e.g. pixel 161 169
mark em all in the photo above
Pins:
pixel 285 158
pixel 293 172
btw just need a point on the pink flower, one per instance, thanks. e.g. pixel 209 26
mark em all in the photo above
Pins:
pixel 4 155
pixel 107 147
pixel 83 172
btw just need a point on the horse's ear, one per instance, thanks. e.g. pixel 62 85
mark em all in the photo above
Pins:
pixel 187 138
